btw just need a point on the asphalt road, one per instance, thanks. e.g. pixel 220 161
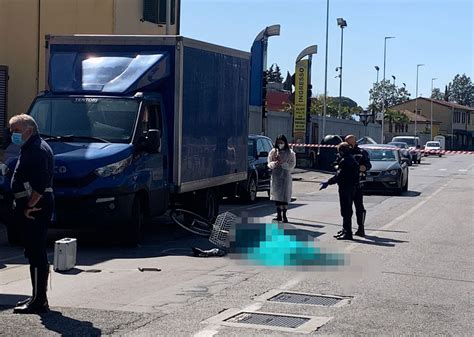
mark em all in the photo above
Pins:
pixel 411 275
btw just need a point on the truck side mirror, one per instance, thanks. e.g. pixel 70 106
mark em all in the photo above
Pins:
pixel 153 142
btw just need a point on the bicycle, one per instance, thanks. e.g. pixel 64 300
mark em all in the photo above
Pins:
pixel 192 222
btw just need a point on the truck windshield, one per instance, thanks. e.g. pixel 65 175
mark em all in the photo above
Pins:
pixel 86 119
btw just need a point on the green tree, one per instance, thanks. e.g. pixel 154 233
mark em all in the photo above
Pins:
pixel 397 119
pixel 437 94
pixel 461 90
pixel 275 74
pixel 287 85
pixel 389 92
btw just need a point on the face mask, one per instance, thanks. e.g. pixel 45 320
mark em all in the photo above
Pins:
pixel 17 138
pixel 281 146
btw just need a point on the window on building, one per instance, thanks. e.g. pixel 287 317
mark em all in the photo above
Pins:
pixel 463 117
pixel 155 11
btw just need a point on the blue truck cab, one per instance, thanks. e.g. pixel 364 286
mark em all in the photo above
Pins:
pixel 136 124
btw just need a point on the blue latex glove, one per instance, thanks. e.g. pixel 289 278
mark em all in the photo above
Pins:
pixel 324 185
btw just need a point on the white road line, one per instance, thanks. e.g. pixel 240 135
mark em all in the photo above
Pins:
pixel 403 216
pixel 462 170
pixel 443 169
pixel 258 206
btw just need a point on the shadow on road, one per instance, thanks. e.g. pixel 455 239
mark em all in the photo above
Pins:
pixel 408 194
pixel 67 326
pixel 378 241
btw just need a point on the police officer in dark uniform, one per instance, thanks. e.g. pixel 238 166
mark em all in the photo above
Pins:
pixel 347 177
pixel 363 159
pixel 32 188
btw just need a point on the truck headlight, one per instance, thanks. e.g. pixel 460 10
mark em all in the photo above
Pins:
pixel 3 169
pixel 391 172
pixel 113 169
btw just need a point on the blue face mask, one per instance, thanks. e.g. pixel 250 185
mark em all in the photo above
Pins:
pixel 17 138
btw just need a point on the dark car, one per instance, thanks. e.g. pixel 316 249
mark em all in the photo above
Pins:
pixel 404 150
pixel 258 177
pixel 389 170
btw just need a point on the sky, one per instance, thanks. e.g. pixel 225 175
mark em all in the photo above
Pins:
pixel 437 33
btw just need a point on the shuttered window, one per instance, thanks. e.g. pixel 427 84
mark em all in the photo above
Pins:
pixel 155 11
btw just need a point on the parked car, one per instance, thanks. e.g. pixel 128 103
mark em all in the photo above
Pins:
pixel 389 170
pixel 258 176
pixel 403 147
pixel 432 148
pixel 413 144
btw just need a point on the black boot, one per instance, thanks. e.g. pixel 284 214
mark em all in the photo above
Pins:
pixel 278 218
pixel 285 219
pixel 39 302
pixel 346 229
pixel 360 223
pixel 32 278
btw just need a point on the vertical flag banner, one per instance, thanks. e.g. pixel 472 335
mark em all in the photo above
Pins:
pixel 301 101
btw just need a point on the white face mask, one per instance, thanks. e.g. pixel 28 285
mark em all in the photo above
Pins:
pixel 281 146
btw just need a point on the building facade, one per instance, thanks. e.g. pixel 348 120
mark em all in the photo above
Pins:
pixel 24 24
pixel 456 122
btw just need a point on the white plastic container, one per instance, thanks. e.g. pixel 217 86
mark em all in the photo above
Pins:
pixel 65 254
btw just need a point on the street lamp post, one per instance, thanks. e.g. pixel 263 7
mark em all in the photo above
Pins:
pixel 377 68
pixel 341 23
pixel 383 82
pixel 431 107
pixel 416 95
pixel 326 70
pixel 259 65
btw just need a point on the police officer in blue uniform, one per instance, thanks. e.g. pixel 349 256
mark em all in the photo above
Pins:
pixel 362 157
pixel 347 177
pixel 32 188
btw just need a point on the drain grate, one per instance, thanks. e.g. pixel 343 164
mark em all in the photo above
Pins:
pixel 305 299
pixel 268 319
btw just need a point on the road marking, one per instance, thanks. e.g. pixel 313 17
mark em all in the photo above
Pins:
pixel 258 206
pixel 425 169
pixel 462 170
pixel 443 169
pixel 403 216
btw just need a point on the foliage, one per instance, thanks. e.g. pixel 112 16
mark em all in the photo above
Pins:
pixel 461 90
pixel 388 92
pixel 274 75
pixel 437 94
pixel 287 85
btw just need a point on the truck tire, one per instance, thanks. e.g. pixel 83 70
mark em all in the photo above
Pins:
pixel 250 195
pixel 134 229
pixel 212 203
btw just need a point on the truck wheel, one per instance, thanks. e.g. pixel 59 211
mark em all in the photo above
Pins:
pixel 212 202
pixel 133 230
pixel 251 192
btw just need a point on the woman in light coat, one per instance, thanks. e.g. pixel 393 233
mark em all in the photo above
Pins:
pixel 281 160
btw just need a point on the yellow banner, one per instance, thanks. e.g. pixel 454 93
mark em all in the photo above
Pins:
pixel 301 98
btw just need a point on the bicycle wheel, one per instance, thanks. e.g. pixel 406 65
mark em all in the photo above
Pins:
pixel 192 222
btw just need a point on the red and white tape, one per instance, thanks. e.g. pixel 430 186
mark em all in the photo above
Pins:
pixel 386 147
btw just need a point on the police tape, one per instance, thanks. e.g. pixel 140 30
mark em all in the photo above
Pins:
pixel 375 147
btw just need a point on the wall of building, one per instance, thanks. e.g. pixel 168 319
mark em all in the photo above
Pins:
pixel 128 14
pixel 18 51
pixel 24 23
pixel 441 113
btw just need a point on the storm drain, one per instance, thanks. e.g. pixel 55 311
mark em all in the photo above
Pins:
pixel 287 297
pixel 268 320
